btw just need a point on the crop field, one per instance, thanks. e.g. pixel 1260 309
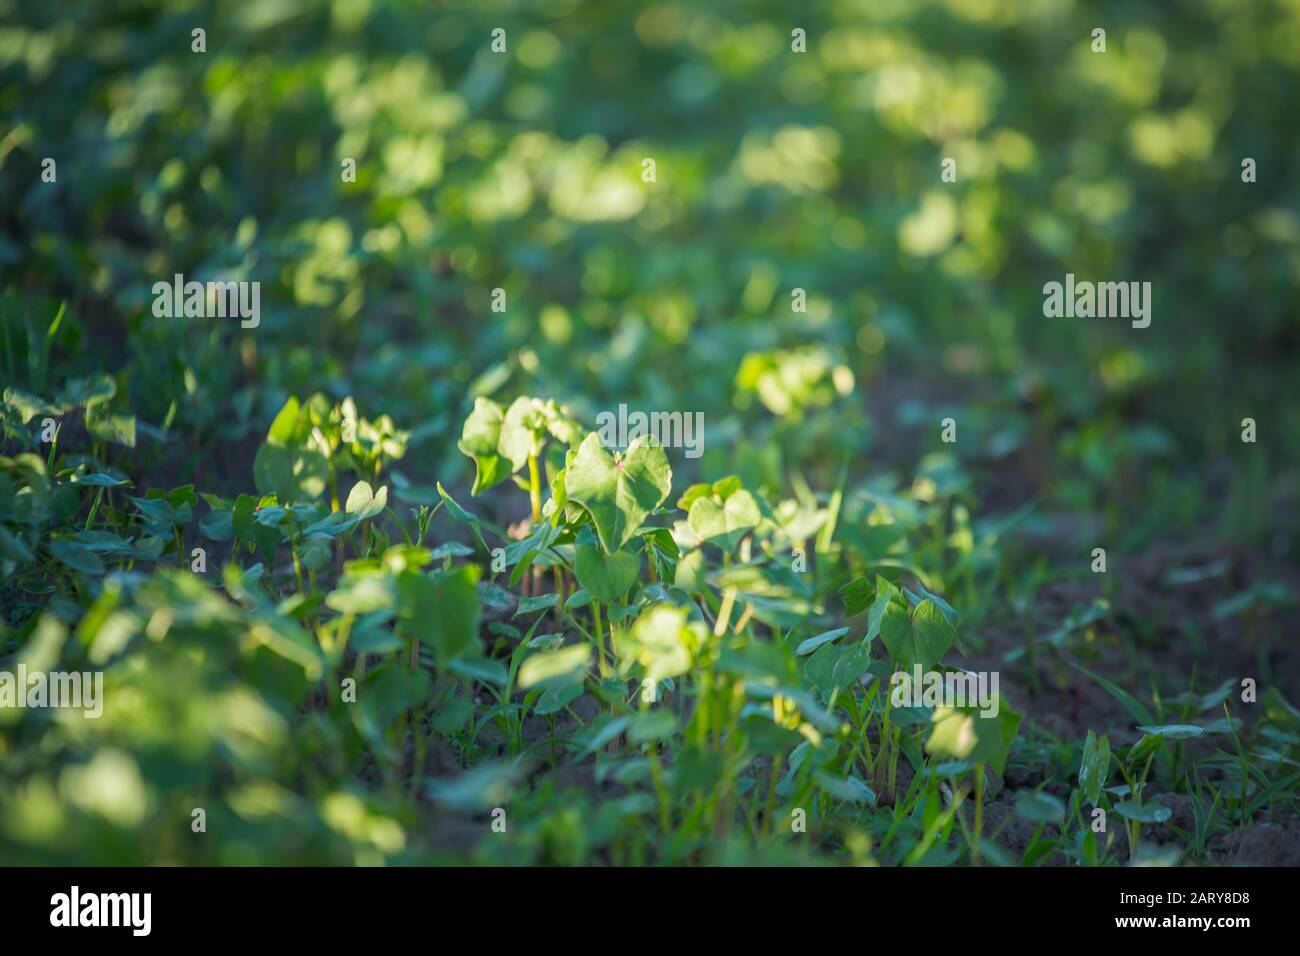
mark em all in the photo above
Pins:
pixel 650 433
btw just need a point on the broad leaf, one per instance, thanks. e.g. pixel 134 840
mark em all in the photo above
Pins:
pixel 619 493
pixel 923 639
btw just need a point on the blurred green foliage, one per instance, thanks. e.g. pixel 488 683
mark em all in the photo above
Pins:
pixel 775 171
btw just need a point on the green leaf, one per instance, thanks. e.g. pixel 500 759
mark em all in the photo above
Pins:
pixel 76 556
pixel 99 479
pixel 810 645
pixel 464 517
pixel 290 475
pixel 834 668
pixel 1094 769
pixel 478 440
pixel 88 392
pixel 486 786
pixel 885 594
pixel 921 640
pixel 579 598
pixel 440 609
pixel 692 494
pixel 1141 751
pixel 659 641
pixel 725 523
pixel 657 724
pixel 519 433
pixel 618 493
pixel 364 503
pixel 218 525
pixel 531 605
pixel 1040 807
pixel 568 665
pixel 963 734
pixel 315 551
pixel 482 669
pixel 606 577
pixel 555 699
pixel 289 427
pixel 105 426
pixel 12 547
pixel 1143 813
pixel 856 595
pixel 1174 731
pixel 849 789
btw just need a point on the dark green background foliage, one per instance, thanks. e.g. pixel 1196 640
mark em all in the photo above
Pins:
pixel 775 171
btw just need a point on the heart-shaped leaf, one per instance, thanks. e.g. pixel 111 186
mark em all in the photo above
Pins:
pixel 619 493
pixel 922 640
pixel 724 523
pixel 365 503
